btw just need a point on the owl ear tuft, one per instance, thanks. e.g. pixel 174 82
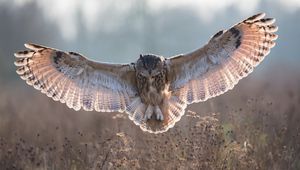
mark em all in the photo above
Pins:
pixel 141 56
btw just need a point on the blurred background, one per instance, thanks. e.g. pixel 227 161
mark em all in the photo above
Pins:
pixel 261 112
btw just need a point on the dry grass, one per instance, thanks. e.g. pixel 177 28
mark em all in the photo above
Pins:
pixel 252 127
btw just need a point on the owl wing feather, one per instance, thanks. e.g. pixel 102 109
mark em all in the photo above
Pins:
pixel 71 78
pixel 228 57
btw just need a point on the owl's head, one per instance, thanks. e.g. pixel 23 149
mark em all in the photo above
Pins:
pixel 149 65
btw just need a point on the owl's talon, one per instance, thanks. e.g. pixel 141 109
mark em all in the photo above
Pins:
pixel 147 116
pixel 148 112
pixel 159 115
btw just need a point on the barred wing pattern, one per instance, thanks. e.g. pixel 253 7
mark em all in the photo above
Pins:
pixel 72 79
pixel 219 65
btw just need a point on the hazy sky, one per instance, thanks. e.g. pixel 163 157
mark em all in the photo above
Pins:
pixel 120 30
pixel 65 12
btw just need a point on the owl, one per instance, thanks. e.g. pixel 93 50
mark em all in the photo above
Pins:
pixel 155 90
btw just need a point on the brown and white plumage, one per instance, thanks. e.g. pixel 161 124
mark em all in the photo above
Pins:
pixel 153 85
pixel 228 57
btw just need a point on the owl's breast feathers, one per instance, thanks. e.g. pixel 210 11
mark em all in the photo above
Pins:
pixel 152 89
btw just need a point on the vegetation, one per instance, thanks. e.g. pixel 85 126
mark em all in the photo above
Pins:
pixel 246 133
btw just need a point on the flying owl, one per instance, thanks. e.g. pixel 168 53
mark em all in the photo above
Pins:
pixel 154 91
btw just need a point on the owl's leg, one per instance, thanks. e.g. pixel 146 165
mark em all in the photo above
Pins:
pixel 158 113
pixel 148 112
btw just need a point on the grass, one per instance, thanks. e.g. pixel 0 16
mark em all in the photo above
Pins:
pixel 251 127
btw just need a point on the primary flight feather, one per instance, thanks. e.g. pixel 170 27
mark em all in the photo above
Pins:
pixel 154 90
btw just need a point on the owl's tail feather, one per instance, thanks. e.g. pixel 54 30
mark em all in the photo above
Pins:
pixel 136 110
pixel 172 108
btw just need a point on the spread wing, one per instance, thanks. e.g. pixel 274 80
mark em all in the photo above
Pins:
pixel 71 78
pixel 228 57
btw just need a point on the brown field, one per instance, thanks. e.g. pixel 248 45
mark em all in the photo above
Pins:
pixel 254 126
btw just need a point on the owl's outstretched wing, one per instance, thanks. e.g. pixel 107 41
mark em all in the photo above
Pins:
pixel 228 57
pixel 71 78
